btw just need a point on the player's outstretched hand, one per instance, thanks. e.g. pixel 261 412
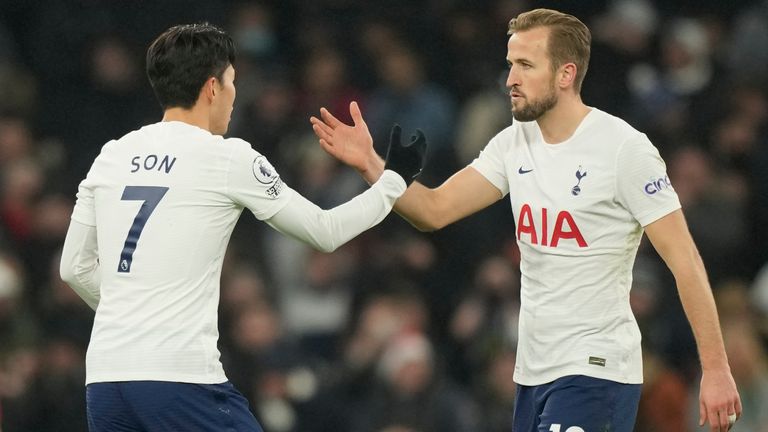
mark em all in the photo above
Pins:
pixel 352 145
pixel 406 159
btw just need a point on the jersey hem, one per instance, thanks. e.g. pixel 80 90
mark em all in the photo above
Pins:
pixel 548 378
pixel 190 379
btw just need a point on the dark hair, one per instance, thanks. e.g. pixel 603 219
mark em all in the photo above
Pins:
pixel 181 59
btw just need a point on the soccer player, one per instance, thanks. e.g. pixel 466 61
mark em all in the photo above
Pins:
pixel 150 228
pixel 584 186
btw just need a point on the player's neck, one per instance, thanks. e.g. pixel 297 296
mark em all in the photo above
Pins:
pixel 559 123
pixel 194 116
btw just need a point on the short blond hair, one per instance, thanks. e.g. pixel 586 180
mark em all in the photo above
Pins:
pixel 569 39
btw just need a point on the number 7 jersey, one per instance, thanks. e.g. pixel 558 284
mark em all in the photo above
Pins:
pixel 580 207
pixel 164 200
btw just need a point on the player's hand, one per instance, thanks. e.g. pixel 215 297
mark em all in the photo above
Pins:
pixel 718 398
pixel 406 160
pixel 352 145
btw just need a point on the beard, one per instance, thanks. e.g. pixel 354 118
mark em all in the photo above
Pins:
pixel 536 108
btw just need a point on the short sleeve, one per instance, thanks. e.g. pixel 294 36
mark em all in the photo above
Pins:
pixel 254 183
pixel 490 163
pixel 642 184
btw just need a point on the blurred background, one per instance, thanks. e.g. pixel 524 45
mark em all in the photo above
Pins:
pixel 397 331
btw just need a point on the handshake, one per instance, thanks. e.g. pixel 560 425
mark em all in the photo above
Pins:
pixel 406 159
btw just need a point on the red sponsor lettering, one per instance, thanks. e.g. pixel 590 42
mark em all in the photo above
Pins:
pixel 565 227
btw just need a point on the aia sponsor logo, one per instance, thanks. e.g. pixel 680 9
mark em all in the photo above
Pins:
pixel 542 230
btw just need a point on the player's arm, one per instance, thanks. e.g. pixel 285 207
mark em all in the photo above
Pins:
pixel 465 193
pixel 79 266
pixel 672 240
pixel 326 230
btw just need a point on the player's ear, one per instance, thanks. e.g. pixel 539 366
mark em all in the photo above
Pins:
pixel 209 88
pixel 567 75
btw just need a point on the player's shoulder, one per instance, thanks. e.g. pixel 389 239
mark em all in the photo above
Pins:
pixel 239 151
pixel 628 143
pixel 117 147
pixel 239 145
pixel 131 140
pixel 511 136
pixel 618 129
pixel 511 130
pixel 118 143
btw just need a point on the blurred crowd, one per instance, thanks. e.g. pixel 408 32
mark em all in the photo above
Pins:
pixel 397 331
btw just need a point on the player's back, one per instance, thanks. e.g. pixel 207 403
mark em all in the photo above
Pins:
pixel 163 218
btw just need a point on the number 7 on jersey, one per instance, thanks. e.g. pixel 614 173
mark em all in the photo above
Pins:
pixel 151 195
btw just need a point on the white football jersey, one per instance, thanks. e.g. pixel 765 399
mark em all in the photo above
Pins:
pixel 580 207
pixel 164 200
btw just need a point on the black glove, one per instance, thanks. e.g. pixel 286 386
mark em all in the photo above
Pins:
pixel 406 160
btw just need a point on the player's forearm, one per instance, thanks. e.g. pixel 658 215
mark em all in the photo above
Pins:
pixel 417 207
pixel 87 285
pixel 464 193
pixel 326 230
pixel 79 266
pixel 412 205
pixel 699 305
pixel 672 240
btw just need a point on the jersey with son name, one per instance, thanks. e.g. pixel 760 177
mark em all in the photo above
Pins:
pixel 580 207
pixel 164 200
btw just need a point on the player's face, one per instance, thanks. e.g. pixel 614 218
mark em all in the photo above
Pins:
pixel 221 109
pixel 531 82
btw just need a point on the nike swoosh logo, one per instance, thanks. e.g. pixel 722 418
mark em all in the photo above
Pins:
pixel 523 171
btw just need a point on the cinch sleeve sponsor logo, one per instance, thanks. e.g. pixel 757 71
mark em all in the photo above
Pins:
pixel 657 185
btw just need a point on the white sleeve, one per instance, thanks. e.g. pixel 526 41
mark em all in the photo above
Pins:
pixel 85 210
pixel 79 266
pixel 490 163
pixel 326 230
pixel 254 183
pixel 642 184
